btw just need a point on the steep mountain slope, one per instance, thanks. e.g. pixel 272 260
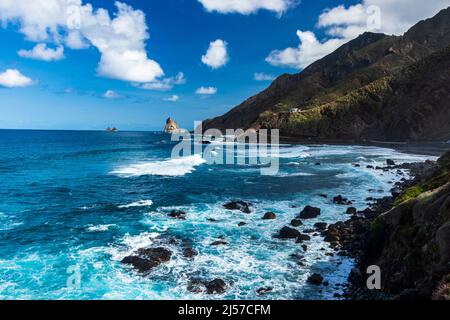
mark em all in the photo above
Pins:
pixel 365 66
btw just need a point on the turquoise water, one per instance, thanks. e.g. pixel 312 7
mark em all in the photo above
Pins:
pixel 86 200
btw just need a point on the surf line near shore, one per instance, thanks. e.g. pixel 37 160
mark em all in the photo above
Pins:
pixel 236 147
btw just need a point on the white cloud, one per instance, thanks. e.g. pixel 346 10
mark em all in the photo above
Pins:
pixel 309 51
pixel 261 76
pixel 12 78
pixel 121 39
pixel 41 52
pixel 217 54
pixel 173 98
pixel 164 84
pixel 343 24
pixel 246 6
pixel 206 90
pixel 110 94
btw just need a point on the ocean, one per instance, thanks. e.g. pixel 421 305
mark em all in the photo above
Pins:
pixel 85 200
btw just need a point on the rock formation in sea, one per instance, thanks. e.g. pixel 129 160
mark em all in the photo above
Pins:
pixel 375 87
pixel 172 126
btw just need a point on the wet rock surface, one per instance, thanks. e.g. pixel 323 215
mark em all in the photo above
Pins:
pixel 146 259
pixel 288 233
pixel 238 206
pixel 269 216
pixel 309 213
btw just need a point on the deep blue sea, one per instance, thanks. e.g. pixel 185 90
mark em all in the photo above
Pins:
pixel 85 200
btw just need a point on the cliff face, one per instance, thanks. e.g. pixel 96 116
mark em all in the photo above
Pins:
pixel 411 242
pixel 360 91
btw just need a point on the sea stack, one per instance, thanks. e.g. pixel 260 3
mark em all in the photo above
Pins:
pixel 171 126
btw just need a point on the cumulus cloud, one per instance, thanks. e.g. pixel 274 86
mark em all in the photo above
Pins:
pixel 41 52
pixel 120 39
pixel 110 94
pixel 173 98
pixel 261 76
pixel 206 90
pixel 217 54
pixel 342 24
pixel 12 78
pixel 164 84
pixel 309 50
pixel 246 6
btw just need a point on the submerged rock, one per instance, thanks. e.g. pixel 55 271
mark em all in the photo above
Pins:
pixel 296 223
pixel 316 279
pixel 310 213
pixel 190 253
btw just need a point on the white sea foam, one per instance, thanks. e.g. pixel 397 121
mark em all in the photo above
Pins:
pixel 140 203
pixel 100 228
pixel 171 168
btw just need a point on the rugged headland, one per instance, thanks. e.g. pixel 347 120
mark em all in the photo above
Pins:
pixel 406 235
pixel 374 88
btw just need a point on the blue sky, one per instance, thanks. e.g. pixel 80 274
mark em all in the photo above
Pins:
pixel 69 93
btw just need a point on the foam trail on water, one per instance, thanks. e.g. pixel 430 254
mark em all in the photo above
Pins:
pixel 171 168
pixel 140 203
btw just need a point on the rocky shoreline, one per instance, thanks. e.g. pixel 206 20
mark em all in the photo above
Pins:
pixel 406 235
pixel 367 237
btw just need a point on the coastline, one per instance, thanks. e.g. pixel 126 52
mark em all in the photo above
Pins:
pixel 357 238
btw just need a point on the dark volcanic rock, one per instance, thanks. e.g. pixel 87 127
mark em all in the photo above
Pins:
pixel 178 214
pixel 238 206
pixel 309 213
pixel 146 259
pixel 196 285
pixel 288 233
pixel 390 162
pixel 264 290
pixel 321 226
pixel 341 200
pixel 241 224
pixel 216 286
pixel 352 211
pixel 296 223
pixel 315 279
pixel 269 216
pixel 303 237
pixel 190 253
pixel 140 264
pixel 219 243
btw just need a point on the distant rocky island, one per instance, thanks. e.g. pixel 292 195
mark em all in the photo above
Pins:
pixel 374 88
pixel 113 129
pixel 172 127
